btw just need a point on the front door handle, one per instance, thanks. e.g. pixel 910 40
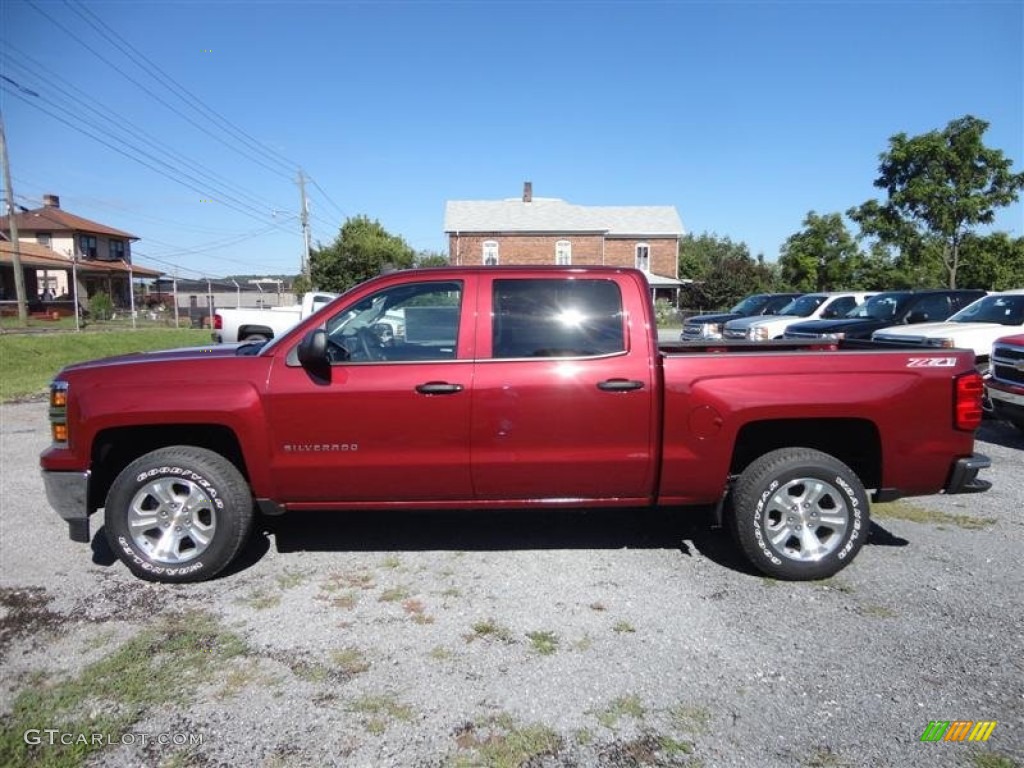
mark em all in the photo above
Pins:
pixel 620 385
pixel 438 388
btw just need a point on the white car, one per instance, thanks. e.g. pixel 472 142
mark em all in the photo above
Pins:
pixel 810 306
pixel 975 326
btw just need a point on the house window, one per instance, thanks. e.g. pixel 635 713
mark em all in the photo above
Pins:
pixel 43 238
pixel 87 245
pixel 563 252
pixel 117 250
pixel 490 258
pixel 643 257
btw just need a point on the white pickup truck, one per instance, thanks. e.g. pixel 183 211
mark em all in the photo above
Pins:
pixel 253 324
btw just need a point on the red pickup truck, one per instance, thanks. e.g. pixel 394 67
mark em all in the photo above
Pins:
pixel 505 387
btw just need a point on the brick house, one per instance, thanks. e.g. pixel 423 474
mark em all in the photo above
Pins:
pixel 544 230
pixel 103 254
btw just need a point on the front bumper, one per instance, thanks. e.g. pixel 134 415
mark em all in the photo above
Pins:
pixel 68 494
pixel 964 477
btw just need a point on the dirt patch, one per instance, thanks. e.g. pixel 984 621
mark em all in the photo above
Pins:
pixel 26 613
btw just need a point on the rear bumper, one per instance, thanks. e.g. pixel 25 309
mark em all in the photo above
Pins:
pixel 964 477
pixel 68 494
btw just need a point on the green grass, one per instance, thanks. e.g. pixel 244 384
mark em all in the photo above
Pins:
pixel 162 665
pixel 501 743
pixel 544 643
pixel 491 629
pixel 623 627
pixel 901 510
pixel 381 711
pixel 29 361
pixel 624 706
pixel 993 760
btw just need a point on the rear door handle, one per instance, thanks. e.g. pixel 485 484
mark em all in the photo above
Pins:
pixel 620 385
pixel 438 388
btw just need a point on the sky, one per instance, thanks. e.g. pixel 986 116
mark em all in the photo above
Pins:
pixel 186 123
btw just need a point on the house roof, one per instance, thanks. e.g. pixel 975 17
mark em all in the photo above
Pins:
pixel 52 219
pixel 548 214
pixel 37 256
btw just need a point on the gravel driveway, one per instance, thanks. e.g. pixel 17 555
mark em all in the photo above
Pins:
pixel 514 639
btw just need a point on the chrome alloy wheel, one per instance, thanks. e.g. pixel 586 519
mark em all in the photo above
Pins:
pixel 806 519
pixel 172 520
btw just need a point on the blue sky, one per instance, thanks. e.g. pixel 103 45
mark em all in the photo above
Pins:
pixel 742 115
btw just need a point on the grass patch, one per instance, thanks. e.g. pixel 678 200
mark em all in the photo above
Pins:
pixel 351 661
pixel 624 706
pixel 391 561
pixel 501 743
pixel 32 360
pixel 490 629
pixel 823 757
pixel 417 611
pixel 876 611
pixel 241 678
pixel 440 653
pixel 380 712
pixel 544 643
pixel 290 579
pixel 692 720
pixel 394 594
pixel 452 592
pixel 164 664
pixel 993 760
pixel 901 510
pixel 261 599
pixel 833 585
pixel 623 627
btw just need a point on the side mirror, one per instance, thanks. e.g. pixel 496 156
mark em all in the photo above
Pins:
pixel 312 349
pixel 917 317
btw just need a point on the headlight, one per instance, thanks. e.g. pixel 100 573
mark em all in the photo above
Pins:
pixel 941 342
pixel 59 411
pixel 838 336
pixel 759 333
pixel 711 330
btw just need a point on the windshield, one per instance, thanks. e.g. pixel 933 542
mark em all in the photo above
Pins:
pixel 882 307
pixel 803 306
pixel 751 305
pixel 1003 310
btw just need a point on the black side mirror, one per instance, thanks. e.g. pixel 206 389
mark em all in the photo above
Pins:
pixel 917 317
pixel 312 349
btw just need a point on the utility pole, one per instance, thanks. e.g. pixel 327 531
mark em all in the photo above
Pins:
pixel 19 276
pixel 304 218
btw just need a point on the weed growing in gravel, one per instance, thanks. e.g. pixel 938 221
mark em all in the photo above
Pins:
pixel 583 736
pixel 491 629
pixel 394 594
pixel 623 627
pixel 241 678
pixel 381 711
pixel 417 611
pixel 391 561
pixel 452 592
pixel 161 665
pixel 501 743
pixel 440 653
pixel 993 760
pixel 823 757
pixel 261 599
pixel 624 706
pixel 347 599
pixel 290 579
pixel 877 611
pixel 544 643
pixel 351 661
pixel 597 607
pixel 645 750
pixel 834 585
pixel 583 644
pixel 901 510
pixel 692 720
pixel 339 581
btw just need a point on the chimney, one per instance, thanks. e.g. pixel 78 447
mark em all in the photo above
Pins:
pixel 51 201
pixel 527 191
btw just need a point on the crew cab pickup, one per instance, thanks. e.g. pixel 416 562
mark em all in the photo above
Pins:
pixel 510 387
pixel 974 327
pixel 1005 383
pixel 810 306
pixel 256 324
pixel 712 326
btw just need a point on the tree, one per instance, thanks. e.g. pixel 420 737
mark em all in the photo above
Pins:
pixel 432 259
pixel 823 256
pixel 939 186
pixel 723 271
pixel 362 249
pixel 994 262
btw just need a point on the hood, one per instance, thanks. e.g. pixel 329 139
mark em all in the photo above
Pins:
pixel 723 317
pixel 210 352
pixel 859 325
pixel 745 322
pixel 942 329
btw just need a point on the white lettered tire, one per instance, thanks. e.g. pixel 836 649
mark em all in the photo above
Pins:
pixel 178 514
pixel 799 514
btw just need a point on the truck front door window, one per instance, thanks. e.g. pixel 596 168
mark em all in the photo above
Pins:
pixel 412 322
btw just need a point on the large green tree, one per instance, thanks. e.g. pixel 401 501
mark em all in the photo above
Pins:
pixel 994 262
pixel 939 187
pixel 362 249
pixel 722 271
pixel 823 256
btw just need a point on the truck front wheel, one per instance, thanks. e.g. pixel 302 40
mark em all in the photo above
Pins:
pixel 178 514
pixel 799 514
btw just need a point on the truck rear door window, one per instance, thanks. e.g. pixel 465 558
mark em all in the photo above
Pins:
pixel 556 318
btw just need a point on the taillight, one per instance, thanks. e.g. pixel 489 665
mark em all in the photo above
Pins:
pixel 59 411
pixel 218 322
pixel 967 393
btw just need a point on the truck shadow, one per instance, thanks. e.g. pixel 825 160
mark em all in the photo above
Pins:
pixel 1000 433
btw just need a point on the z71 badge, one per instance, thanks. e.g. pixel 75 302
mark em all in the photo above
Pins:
pixel 931 362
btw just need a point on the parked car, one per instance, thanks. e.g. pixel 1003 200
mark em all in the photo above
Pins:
pixel 887 309
pixel 974 327
pixel 512 387
pixel 1004 386
pixel 254 324
pixel 711 326
pixel 810 306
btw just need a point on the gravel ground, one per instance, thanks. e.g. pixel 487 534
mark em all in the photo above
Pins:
pixel 539 639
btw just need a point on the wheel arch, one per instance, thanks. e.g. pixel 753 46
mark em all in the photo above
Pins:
pixel 115 448
pixel 855 442
pixel 244 331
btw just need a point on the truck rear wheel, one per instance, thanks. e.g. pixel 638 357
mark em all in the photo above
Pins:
pixel 178 514
pixel 799 514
